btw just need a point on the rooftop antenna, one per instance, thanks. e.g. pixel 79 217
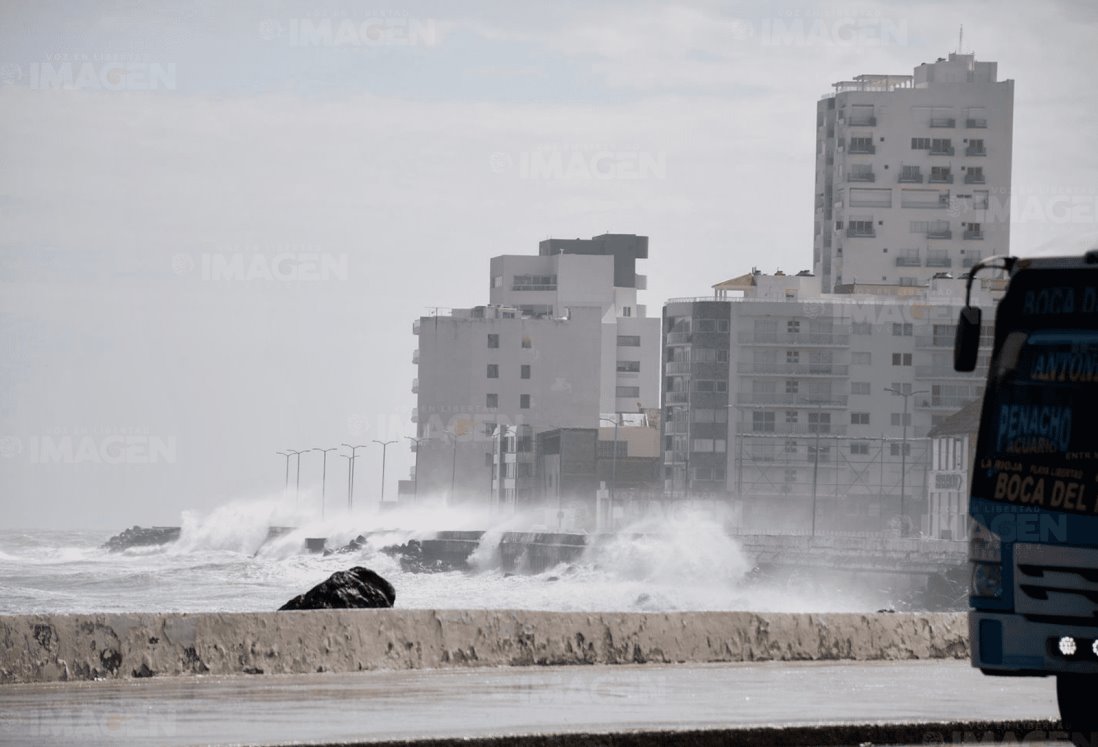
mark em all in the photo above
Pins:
pixel 961 39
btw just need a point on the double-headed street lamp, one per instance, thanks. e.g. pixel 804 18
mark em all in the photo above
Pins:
pixel 613 468
pixel 903 452
pixel 350 475
pixel 323 476
pixel 384 452
pixel 351 466
pixel 286 484
pixel 297 483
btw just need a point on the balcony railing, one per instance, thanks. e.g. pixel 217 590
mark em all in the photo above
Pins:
pixel 748 428
pixel 975 150
pixel 941 178
pixel 863 148
pixel 974 179
pixel 974 235
pixel 940 372
pixel 794 338
pixel 792 369
pixel 939 261
pixel 678 367
pixel 934 341
pixel 943 122
pixel 944 403
pixel 415 357
pixel 911 178
pixel 415 386
pixel 908 261
pixel 860 233
pixel 868 176
pixel 678 338
pixel 785 399
pixel 676 398
pixel 863 122
pixel 941 150
pixel 976 124
pixel 939 233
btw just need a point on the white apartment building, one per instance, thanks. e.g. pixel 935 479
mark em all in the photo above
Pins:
pixel 806 409
pixel 912 173
pixel 562 343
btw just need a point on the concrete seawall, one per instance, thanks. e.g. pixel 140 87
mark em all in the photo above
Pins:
pixel 50 648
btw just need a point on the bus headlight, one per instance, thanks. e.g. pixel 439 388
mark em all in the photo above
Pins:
pixel 1067 646
pixel 987 580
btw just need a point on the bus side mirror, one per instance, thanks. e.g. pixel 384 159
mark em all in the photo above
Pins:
pixel 966 346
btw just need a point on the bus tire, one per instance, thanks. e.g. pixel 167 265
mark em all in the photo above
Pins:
pixel 1075 696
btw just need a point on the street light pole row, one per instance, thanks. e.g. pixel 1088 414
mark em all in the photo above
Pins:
pixel 324 470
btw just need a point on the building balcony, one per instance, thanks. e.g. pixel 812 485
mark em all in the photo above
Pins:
pixel 748 428
pixel 941 372
pixel 678 338
pixel 861 148
pixel 415 357
pixel 975 150
pixel 784 399
pixel 976 124
pixel 862 122
pixel 940 233
pixel 941 179
pixel 909 260
pixel 934 341
pixel 938 260
pixel 785 339
pixel 415 327
pixel 862 177
pixel 415 414
pixel 974 179
pixel 415 386
pixel 860 233
pixel 948 404
pixel 939 122
pixel 974 235
pixel 910 178
pixel 971 259
pixel 941 150
pixel 676 398
pixel 677 367
pixel 757 368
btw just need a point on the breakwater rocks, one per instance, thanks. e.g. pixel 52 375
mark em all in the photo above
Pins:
pixel 50 648
pixel 357 588
pixel 137 536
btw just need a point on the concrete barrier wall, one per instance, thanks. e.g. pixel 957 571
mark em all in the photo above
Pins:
pixel 49 648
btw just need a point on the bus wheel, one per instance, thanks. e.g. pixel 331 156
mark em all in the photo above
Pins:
pixel 1075 696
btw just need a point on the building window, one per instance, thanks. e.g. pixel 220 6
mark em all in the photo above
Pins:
pixel 792 416
pixel 819 422
pixel 524 401
pixel 628 391
pixel 709 386
pixel 902 330
pixel 762 422
pixel 627 311
pixel 861 359
pixel 534 283
pixel 526 342
pixel 792 356
pixel 793 327
pixel 493 341
pixel 859 447
pixel 920 143
pixel 629 366
pixel 859 387
pixel 792 386
pixel 524 371
pixel 705 325
pixel 493 370
pixel 629 341
pixel 790 447
pixel 859 418
pixel 711 415
pixel 861 328
pixel 895 449
pixel 901 359
pixel 491 401
pixel 722 325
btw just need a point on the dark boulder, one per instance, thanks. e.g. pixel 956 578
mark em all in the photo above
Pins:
pixel 353 589
pixel 415 557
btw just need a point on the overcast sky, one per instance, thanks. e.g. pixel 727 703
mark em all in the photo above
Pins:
pixel 218 220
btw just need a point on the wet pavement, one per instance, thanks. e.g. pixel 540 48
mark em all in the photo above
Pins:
pixel 377 706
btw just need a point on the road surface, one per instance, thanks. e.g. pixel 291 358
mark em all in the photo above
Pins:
pixel 375 706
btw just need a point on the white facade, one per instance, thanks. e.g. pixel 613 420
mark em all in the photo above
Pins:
pixel 562 342
pixel 913 173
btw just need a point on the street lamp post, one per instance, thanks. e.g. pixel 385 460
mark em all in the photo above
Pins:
pixel 351 489
pixel 384 451
pixel 613 469
pixel 903 452
pixel 286 484
pixel 350 473
pixel 415 474
pixel 324 476
pixel 297 478
pixel 453 464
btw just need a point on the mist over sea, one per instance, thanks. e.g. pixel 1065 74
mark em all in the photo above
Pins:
pixel 223 563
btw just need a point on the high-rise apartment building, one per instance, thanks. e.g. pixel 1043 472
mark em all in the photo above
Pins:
pixel 912 173
pixel 562 343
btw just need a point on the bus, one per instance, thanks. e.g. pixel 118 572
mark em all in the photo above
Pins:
pixel 1033 506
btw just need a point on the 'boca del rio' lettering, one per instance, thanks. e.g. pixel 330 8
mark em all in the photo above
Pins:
pixel 1066 495
pixel 1060 300
pixel 1034 429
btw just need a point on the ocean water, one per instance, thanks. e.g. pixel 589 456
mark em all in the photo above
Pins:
pixel 222 563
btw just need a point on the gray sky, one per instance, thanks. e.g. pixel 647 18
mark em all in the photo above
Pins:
pixel 218 221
